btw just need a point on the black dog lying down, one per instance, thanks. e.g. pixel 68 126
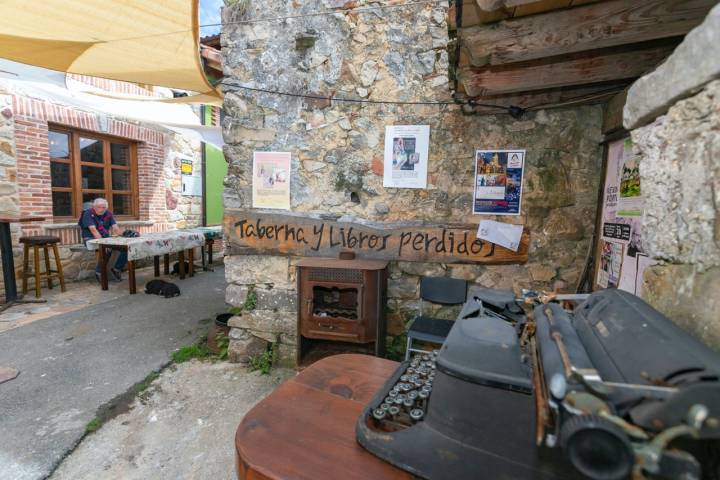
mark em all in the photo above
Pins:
pixel 176 268
pixel 161 287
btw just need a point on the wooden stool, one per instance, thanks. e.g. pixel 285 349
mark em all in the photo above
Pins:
pixel 38 242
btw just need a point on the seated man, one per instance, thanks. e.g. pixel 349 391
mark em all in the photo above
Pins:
pixel 98 222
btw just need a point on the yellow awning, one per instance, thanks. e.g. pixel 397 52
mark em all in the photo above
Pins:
pixel 152 42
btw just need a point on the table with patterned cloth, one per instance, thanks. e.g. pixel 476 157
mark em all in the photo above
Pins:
pixel 149 245
pixel 211 234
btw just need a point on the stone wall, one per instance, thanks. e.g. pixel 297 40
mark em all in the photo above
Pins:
pixel 680 177
pixel 9 201
pixel 183 210
pixel 674 115
pixel 337 150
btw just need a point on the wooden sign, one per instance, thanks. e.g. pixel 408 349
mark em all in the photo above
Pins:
pixel 260 232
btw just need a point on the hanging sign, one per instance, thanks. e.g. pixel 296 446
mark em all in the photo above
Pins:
pixel 256 232
pixel 498 182
pixel 186 166
pixel 406 156
pixel 271 180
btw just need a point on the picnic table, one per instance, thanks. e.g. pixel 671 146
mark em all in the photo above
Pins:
pixel 146 246
pixel 211 234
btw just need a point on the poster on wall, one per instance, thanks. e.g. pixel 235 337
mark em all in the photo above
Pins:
pixel 621 220
pixel 271 180
pixel 498 182
pixel 611 260
pixel 406 156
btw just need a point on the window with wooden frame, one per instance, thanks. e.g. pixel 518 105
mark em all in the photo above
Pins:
pixel 85 166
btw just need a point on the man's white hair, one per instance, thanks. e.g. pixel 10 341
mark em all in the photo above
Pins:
pixel 100 201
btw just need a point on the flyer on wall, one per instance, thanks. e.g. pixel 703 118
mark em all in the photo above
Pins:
pixel 630 200
pixel 611 262
pixel 406 156
pixel 498 182
pixel 271 180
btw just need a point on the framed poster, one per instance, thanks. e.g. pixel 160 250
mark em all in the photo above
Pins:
pixel 271 180
pixel 406 156
pixel 498 182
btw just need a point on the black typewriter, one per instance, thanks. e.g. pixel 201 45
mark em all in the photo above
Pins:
pixel 611 391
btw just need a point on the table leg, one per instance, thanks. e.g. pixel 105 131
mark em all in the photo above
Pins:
pixel 103 268
pixel 8 263
pixel 166 259
pixel 191 261
pixel 156 264
pixel 202 257
pixel 210 244
pixel 131 277
pixel 181 259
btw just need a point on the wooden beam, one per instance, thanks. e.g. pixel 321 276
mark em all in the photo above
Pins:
pixel 582 95
pixel 492 5
pixel 588 27
pixel 213 58
pixel 613 114
pixel 575 69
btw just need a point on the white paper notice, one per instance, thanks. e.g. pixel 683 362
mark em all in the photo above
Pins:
pixel 503 234
pixel 406 156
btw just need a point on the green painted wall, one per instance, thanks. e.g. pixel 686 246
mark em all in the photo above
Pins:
pixel 215 172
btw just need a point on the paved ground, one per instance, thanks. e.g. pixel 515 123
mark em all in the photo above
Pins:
pixel 183 428
pixel 72 364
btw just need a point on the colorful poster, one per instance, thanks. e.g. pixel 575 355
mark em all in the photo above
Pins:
pixel 498 182
pixel 271 180
pixel 406 156
pixel 630 201
pixel 611 260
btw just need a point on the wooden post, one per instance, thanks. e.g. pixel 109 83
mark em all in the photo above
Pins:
pixel 191 261
pixel 156 264
pixel 36 259
pixel 131 277
pixel 58 266
pixel 48 273
pixel 166 260
pixel 103 267
pixel 181 266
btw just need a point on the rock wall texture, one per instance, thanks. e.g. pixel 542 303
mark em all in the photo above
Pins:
pixel 337 147
pixel 9 201
pixel 680 178
pixel 183 211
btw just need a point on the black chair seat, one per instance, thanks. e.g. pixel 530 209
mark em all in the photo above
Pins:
pixel 430 329
pixel 40 240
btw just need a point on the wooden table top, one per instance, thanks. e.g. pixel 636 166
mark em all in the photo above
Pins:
pixel 305 429
pixel 19 219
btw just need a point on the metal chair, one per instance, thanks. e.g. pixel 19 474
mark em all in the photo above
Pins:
pixel 439 290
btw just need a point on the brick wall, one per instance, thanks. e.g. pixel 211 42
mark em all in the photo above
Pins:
pixel 33 165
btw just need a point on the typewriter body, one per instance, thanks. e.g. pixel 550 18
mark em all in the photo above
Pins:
pixel 611 391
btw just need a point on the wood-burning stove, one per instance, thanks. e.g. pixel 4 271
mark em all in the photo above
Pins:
pixel 341 305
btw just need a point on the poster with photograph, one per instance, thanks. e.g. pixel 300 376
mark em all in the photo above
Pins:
pixel 498 182
pixel 271 180
pixel 630 200
pixel 611 261
pixel 406 156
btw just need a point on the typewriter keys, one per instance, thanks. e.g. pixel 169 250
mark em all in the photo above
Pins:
pixel 416 414
pixel 408 402
pixel 385 406
pixel 393 393
pixel 394 410
pixel 379 413
pixel 423 395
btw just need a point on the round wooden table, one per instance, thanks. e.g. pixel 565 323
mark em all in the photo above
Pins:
pixel 305 429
